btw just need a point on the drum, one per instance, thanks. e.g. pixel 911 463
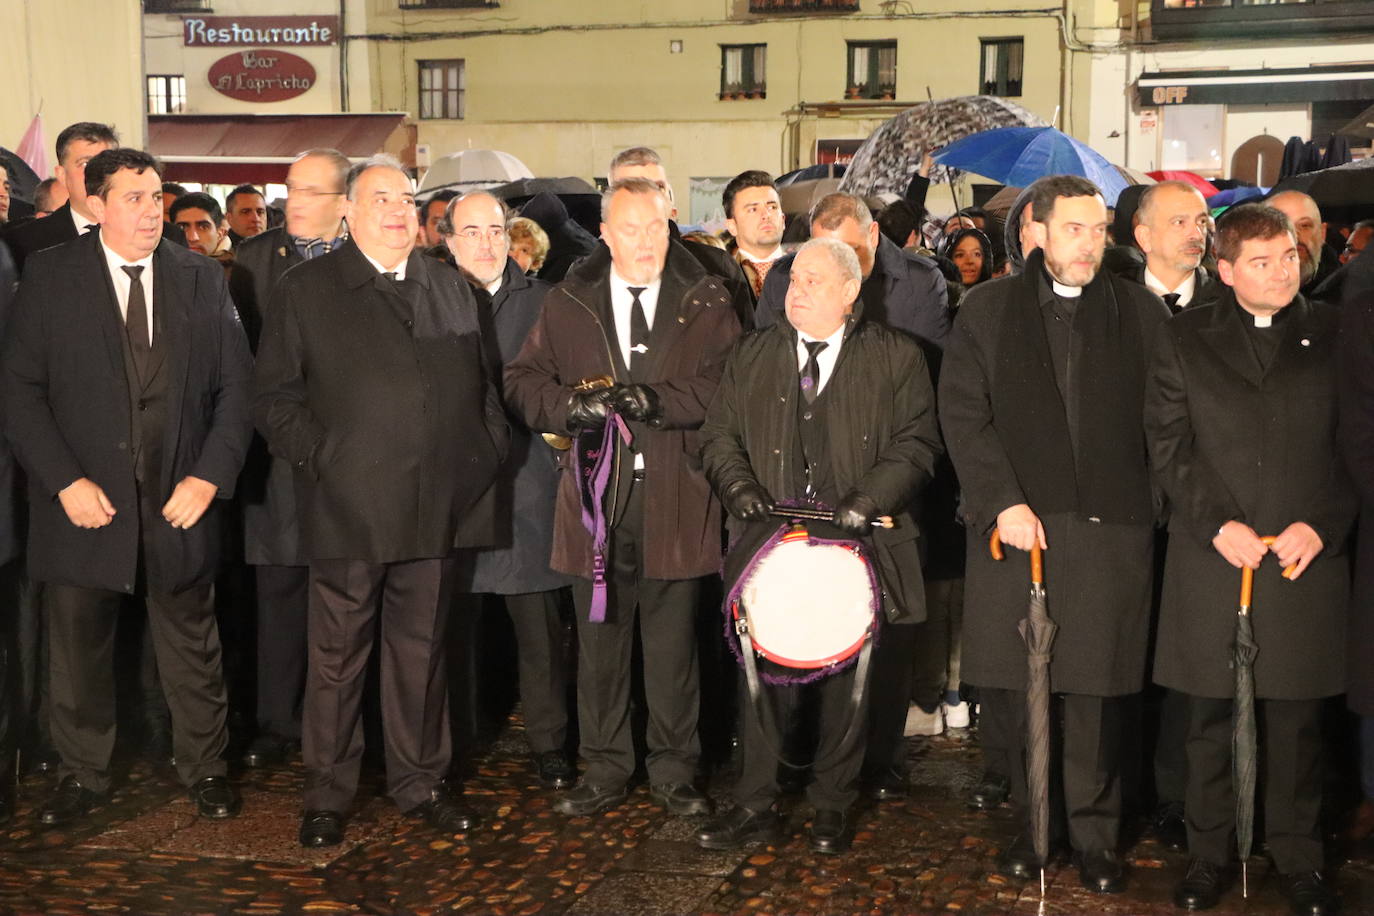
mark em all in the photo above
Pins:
pixel 807 605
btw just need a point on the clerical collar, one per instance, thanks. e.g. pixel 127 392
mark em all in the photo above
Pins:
pixel 1263 321
pixel 1065 292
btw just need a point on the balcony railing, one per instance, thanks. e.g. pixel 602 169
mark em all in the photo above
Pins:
pixel 447 4
pixel 803 6
pixel 176 6
pixel 1184 19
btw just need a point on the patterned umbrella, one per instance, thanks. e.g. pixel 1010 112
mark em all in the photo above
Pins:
pixel 1038 632
pixel 893 152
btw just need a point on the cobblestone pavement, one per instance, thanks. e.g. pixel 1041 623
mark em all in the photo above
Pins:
pixel 145 852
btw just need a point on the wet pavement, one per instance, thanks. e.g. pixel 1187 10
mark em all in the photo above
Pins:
pixel 146 852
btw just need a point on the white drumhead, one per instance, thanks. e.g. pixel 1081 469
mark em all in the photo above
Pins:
pixel 809 604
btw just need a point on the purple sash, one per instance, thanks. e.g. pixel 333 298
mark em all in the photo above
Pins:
pixel 593 458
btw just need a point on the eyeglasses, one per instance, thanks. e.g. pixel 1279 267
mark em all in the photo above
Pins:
pixel 311 192
pixel 473 234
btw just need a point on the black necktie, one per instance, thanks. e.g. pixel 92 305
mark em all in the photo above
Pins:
pixel 1171 300
pixel 136 319
pixel 811 372
pixel 639 335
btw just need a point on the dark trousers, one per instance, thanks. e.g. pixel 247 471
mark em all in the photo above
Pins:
pixel 82 624
pixel 893 665
pixel 997 729
pixel 937 643
pixel 283 603
pixel 835 773
pixel 665 611
pixel 32 723
pixel 349 601
pixel 1085 787
pixel 1171 755
pixel 1290 763
pixel 543 668
pixel 10 719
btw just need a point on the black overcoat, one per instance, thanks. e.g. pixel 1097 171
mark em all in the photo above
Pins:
pixel 68 414
pixel 1098 575
pixel 383 407
pixel 1357 443
pixel 1230 441
pixel 527 484
pixel 883 437
pixel 271 528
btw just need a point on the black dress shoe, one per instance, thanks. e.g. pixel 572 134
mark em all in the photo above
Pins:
pixel 991 791
pixel 589 799
pixel 831 832
pixel 1101 871
pixel 41 759
pixel 268 750
pixel 215 797
pixel 1309 894
pixel 1202 886
pixel 1170 827
pixel 554 768
pixel 321 828
pixel 72 801
pixel 1019 860
pixel 446 811
pixel 739 827
pixel 680 798
pixel 6 798
pixel 888 785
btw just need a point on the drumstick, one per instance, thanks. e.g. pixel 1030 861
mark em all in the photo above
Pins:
pixel 821 515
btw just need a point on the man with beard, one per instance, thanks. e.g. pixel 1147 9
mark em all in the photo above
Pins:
pixel 517 568
pixel 1171 227
pixel 1241 416
pixel 1040 399
pixel 1317 259
pixel 646 314
pixel 753 216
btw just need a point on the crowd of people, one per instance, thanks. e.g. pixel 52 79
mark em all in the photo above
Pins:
pixel 347 417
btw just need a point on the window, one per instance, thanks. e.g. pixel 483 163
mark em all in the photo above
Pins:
pixel 1002 58
pixel 1192 139
pixel 166 94
pixel 443 84
pixel 872 70
pixel 742 71
pixel 1207 19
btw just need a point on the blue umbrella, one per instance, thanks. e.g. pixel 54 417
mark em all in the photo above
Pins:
pixel 1019 155
pixel 1232 196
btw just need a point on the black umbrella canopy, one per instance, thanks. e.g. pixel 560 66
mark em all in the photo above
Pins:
pixel 23 180
pixel 893 152
pixel 811 173
pixel 528 187
pixel 1343 192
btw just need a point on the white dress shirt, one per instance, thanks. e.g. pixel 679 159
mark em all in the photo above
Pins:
pixel 399 270
pixel 1185 289
pixel 81 223
pixel 825 360
pixel 123 283
pixel 622 301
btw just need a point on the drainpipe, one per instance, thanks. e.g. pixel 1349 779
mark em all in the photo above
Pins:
pixel 343 55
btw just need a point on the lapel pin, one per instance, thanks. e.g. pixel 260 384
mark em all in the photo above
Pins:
pixel 281 252
pixel 1305 342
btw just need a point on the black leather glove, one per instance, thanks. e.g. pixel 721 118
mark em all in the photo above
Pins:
pixel 747 501
pixel 638 402
pixel 855 513
pixel 587 409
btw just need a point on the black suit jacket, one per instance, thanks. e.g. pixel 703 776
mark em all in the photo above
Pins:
pixel 383 406
pixel 35 235
pixel 68 412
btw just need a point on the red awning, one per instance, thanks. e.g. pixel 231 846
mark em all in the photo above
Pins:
pixel 233 149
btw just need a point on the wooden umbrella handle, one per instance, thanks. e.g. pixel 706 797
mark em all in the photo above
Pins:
pixel 1247 576
pixel 1037 559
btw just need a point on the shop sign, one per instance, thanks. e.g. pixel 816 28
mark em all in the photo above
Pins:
pixel 261 75
pixel 246 31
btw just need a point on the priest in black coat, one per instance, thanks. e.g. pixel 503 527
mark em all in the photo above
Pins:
pixel 1241 413
pixel 371 383
pixel 1040 399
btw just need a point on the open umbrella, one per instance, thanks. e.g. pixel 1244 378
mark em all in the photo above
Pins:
pixel 889 157
pixel 1340 192
pixel 1205 187
pixel 528 187
pixel 474 169
pixel 1019 155
pixel 810 173
pixel 1038 631
pixel 1244 743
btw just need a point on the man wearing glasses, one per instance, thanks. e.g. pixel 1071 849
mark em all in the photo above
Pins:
pixel 314 226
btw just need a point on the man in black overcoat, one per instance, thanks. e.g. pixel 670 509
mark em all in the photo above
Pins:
pixel 371 383
pixel 126 377
pixel 271 530
pixel 864 443
pixel 1040 395
pixel 1241 414
pixel 517 566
